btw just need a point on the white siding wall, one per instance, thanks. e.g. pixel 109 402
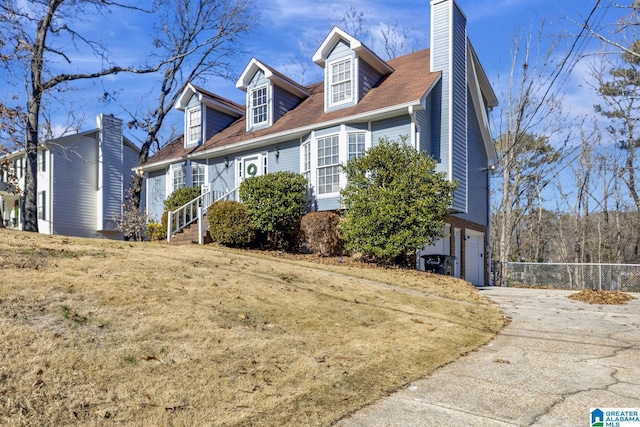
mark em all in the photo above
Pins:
pixel 74 185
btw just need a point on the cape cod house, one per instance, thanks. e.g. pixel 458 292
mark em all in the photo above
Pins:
pixel 435 99
pixel 81 182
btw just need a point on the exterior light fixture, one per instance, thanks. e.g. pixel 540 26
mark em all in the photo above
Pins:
pixel 226 162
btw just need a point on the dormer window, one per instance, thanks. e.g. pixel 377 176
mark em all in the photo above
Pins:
pixel 195 126
pixel 259 105
pixel 341 88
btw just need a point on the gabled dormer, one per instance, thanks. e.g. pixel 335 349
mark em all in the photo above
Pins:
pixel 270 94
pixel 350 69
pixel 205 114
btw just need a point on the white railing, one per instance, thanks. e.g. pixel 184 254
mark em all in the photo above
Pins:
pixel 192 211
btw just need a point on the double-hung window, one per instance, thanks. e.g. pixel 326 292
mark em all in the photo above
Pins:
pixel 328 169
pixel 179 180
pixel 195 126
pixel 259 105
pixel 197 176
pixel 341 82
pixel 306 160
pixel 356 145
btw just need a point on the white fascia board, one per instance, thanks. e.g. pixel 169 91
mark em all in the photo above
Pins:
pixel 335 35
pixel 185 96
pixel 481 113
pixel 249 71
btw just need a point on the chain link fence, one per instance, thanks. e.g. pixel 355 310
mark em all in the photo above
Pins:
pixel 609 277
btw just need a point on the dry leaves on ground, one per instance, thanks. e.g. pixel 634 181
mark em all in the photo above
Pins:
pixel 602 297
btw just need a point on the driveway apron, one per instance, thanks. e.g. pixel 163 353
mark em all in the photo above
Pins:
pixel 555 360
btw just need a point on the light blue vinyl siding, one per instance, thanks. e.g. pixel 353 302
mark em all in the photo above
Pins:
pixel 193 102
pixel 289 159
pixel 459 122
pixel 449 32
pixel 368 77
pixel 478 174
pixel 435 131
pixel 423 120
pixel 440 62
pixel 393 129
pixel 328 204
pixel 157 190
pixel 283 101
pixel 222 178
pixel 216 121
pixel 74 186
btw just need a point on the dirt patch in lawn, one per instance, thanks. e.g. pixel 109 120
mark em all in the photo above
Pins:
pixel 98 331
pixel 602 297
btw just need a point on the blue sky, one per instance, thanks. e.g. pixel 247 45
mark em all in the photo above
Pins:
pixel 289 32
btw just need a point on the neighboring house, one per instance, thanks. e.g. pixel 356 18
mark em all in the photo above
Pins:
pixel 81 182
pixel 437 98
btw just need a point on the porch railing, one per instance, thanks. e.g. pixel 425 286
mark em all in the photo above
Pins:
pixel 192 211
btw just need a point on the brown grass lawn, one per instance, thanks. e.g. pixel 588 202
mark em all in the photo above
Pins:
pixel 97 332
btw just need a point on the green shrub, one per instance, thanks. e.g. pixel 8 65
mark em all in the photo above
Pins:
pixel 275 202
pixel 394 201
pixel 322 233
pixel 157 230
pixel 230 224
pixel 178 198
pixel 181 197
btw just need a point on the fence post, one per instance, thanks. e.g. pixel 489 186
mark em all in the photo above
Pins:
pixel 599 277
pixel 169 227
pixel 200 230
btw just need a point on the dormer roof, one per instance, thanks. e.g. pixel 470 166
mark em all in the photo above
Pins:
pixel 209 99
pixel 334 37
pixel 272 75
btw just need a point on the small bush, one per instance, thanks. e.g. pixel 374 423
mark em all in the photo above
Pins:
pixel 322 233
pixel 230 224
pixel 157 230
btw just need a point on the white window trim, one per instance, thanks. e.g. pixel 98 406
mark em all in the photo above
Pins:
pixel 329 80
pixel 171 183
pixel 204 173
pixel 343 144
pixel 188 141
pixel 267 121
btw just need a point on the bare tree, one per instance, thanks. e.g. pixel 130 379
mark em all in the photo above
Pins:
pixel 38 34
pixel 200 37
pixel 527 159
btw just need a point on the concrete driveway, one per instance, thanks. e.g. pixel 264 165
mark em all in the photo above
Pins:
pixel 555 360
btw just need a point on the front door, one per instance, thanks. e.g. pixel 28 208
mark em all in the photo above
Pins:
pixel 250 166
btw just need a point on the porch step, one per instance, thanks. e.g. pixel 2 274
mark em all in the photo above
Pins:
pixel 189 236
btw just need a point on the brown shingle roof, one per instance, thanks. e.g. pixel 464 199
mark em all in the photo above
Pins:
pixel 410 81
